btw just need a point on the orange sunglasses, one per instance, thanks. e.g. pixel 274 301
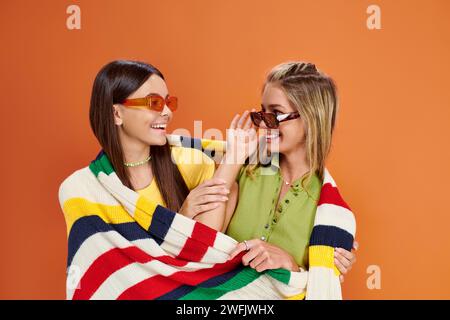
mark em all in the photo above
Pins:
pixel 153 102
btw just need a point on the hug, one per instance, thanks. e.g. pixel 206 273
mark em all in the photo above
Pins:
pixel 154 217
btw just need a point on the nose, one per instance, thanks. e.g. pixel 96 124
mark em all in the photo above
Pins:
pixel 262 125
pixel 166 111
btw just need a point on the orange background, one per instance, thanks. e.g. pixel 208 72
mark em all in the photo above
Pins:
pixel 390 156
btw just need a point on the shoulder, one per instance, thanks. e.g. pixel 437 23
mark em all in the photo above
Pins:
pixel 75 179
pixel 252 172
pixel 190 156
pixel 316 182
pixel 194 165
pixel 74 185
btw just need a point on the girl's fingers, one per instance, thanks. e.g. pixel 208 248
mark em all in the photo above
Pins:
pixel 347 254
pixel 242 247
pixel 355 245
pixel 220 190
pixel 207 207
pixel 234 122
pixel 250 255
pixel 248 123
pixel 257 260
pixel 239 248
pixel 263 266
pixel 209 198
pixel 212 182
pixel 339 266
pixel 242 119
pixel 342 259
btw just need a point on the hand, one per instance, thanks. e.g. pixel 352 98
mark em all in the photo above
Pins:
pixel 344 260
pixel 241 139
pixel 263 256
pixel 205 197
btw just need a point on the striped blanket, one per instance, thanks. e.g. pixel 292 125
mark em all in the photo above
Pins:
pixel 123 246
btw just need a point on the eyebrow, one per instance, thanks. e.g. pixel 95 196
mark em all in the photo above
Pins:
pixel 272 106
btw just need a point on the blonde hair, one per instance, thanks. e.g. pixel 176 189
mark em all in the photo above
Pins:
pixel 314 95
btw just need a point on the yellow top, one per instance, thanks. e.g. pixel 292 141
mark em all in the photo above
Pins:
pixel 195 167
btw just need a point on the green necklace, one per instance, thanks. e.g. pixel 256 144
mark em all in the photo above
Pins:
pixel 135 164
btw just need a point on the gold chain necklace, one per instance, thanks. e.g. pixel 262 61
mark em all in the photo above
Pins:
pixel 135 164
pixel 285 182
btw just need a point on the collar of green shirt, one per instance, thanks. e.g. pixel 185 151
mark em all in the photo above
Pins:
pixel 274 169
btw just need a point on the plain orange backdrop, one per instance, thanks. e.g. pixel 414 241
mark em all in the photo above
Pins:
pixel 390 155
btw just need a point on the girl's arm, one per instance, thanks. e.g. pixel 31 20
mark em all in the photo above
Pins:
pixel 241 142
pixel 231 205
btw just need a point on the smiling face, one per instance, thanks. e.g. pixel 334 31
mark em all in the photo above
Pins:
pixel 141 125
pixel 290 134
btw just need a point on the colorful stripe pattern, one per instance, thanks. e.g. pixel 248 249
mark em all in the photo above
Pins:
pixel 334 227
pixel 123 246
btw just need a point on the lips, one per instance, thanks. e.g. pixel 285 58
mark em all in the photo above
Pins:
pixel 272 135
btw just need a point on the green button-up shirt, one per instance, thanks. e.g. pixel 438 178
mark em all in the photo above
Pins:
pixel 288 225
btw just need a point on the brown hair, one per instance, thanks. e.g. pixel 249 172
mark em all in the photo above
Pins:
pixel 113 84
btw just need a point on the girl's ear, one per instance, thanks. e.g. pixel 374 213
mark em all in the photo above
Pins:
pixel 117 115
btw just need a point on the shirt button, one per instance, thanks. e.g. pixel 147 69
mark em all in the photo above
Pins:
pixel 280 209
pixel 263 238
pixel 266 226
pixel 274 221
pixel 287 200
